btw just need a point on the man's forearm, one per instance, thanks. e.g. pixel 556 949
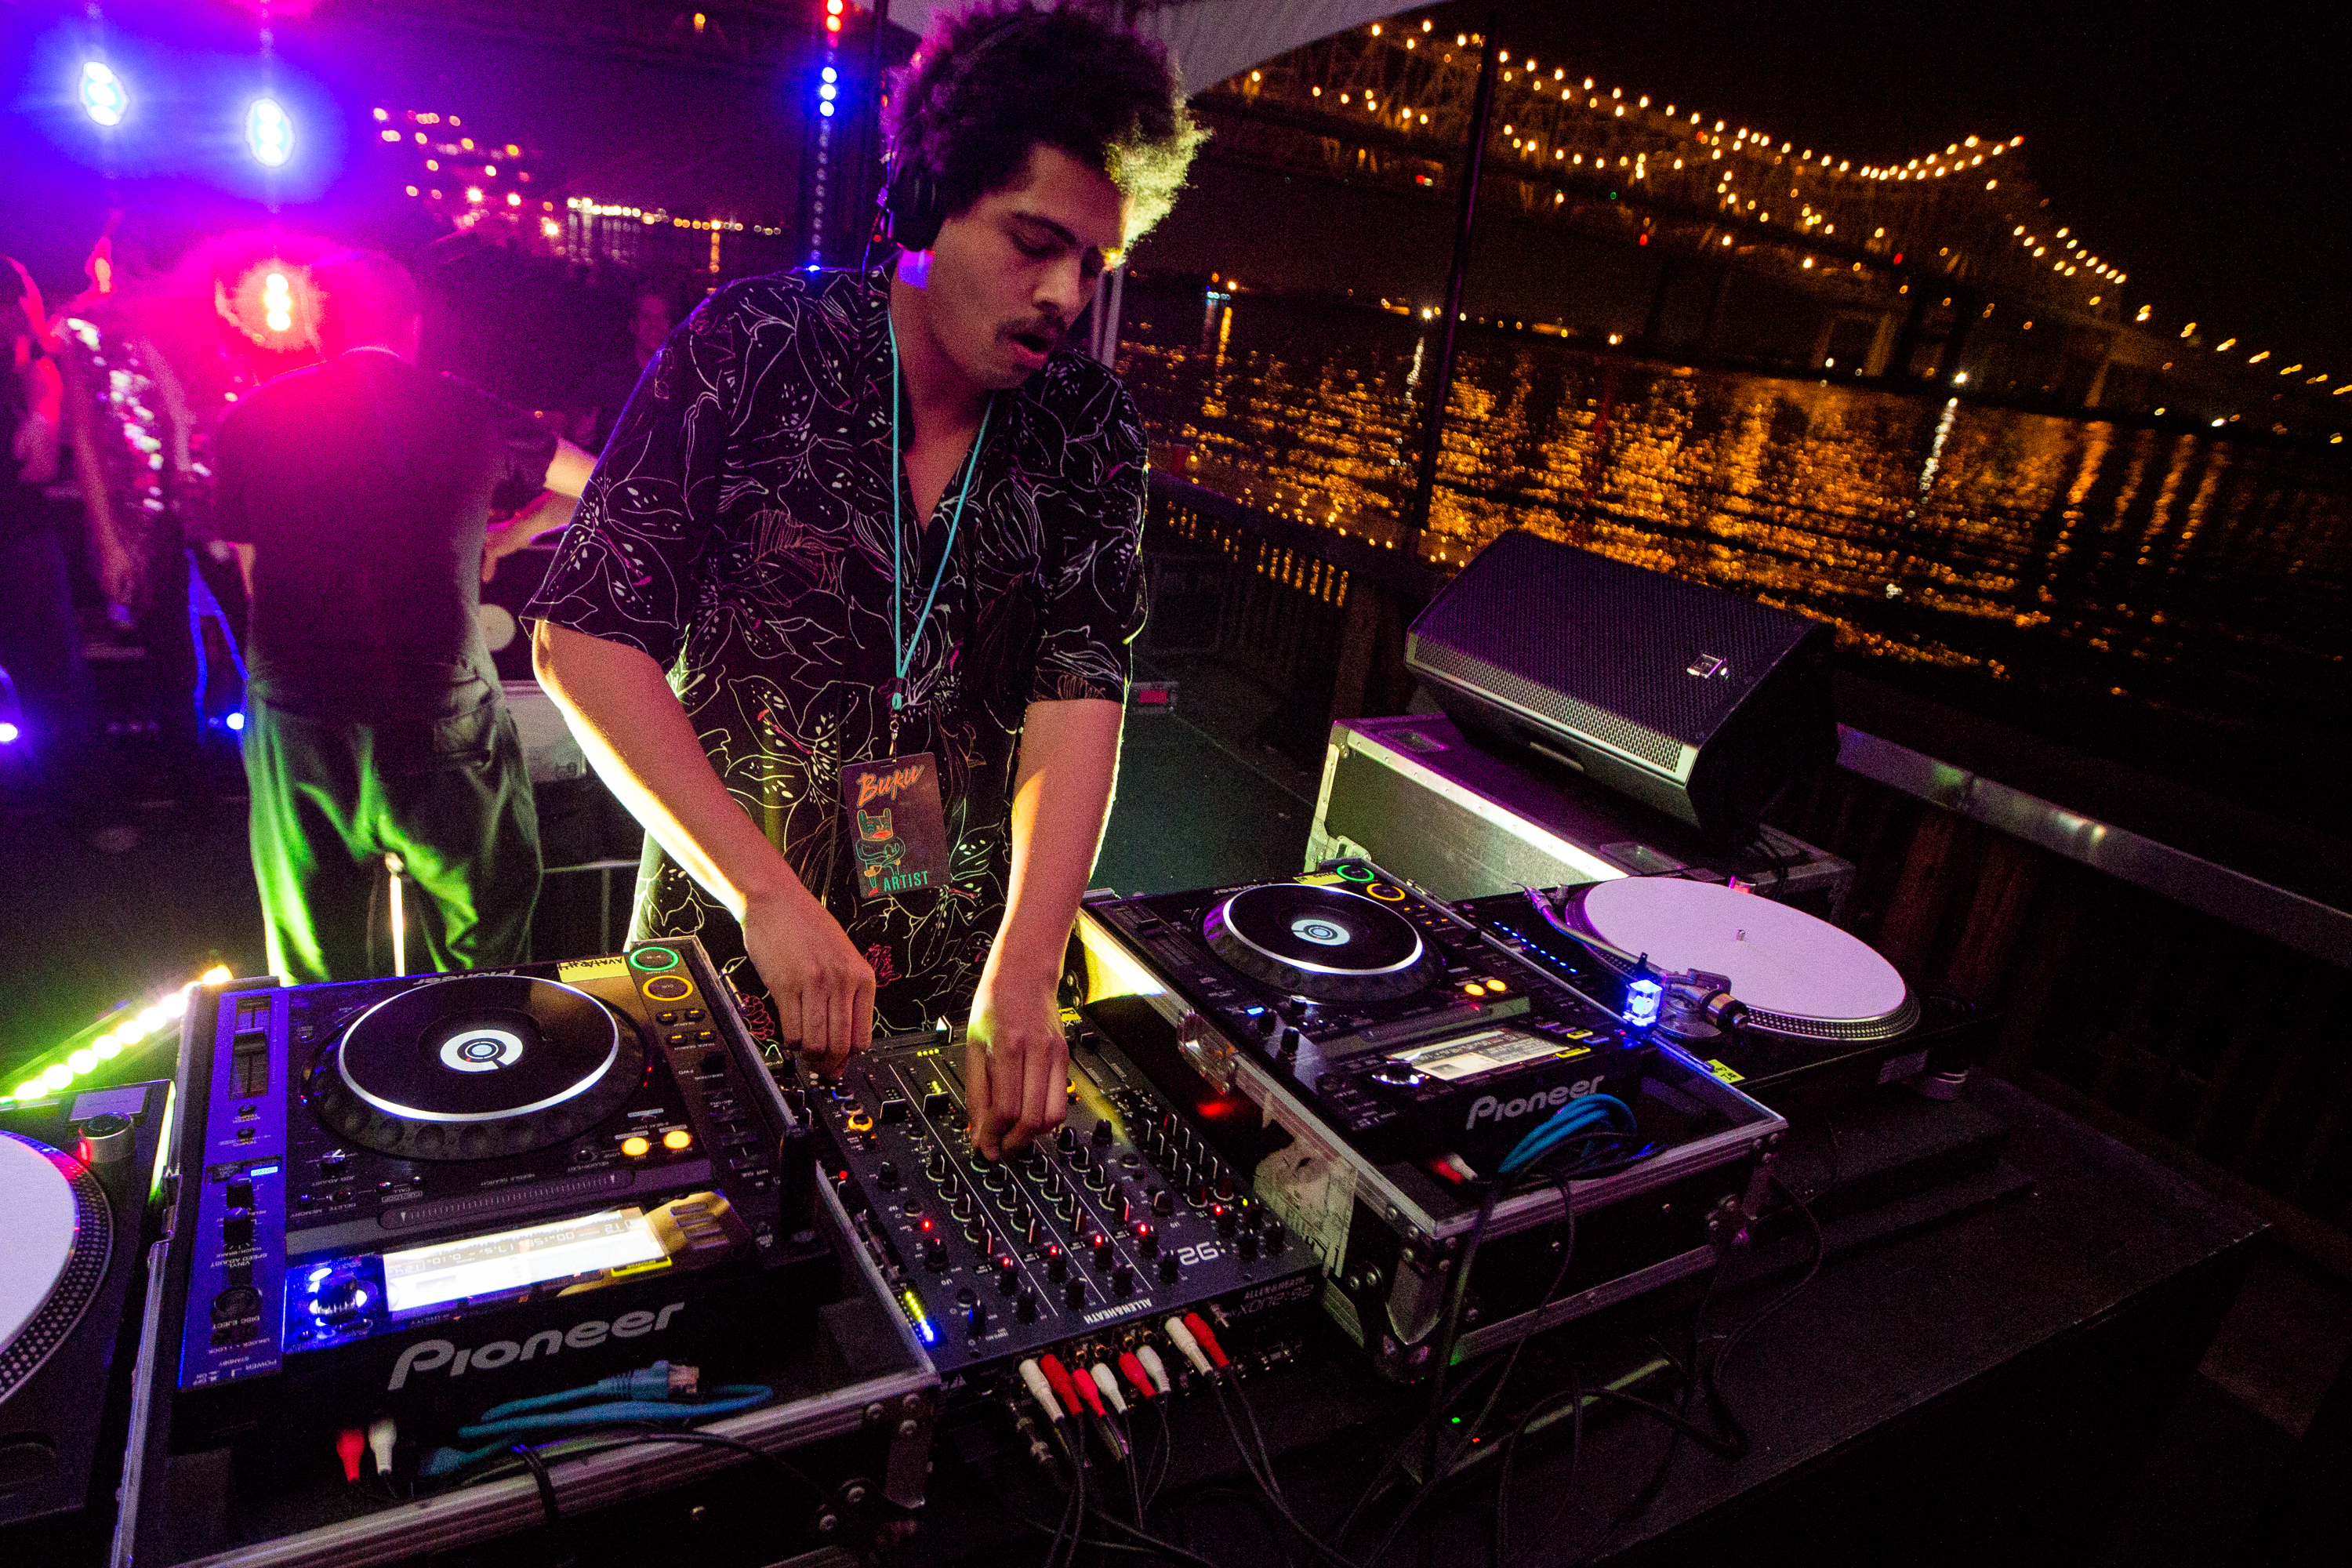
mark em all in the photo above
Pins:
pixel 639 737
pixel 1061 802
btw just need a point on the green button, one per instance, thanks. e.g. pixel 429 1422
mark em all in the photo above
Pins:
pixel 654 958
pixel 1354 872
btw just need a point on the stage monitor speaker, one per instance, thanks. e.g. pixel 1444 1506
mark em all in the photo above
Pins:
pixel 1698 702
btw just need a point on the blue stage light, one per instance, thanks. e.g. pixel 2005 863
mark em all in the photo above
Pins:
pixel 831 75
pixel 9 734
pixel 235 721
pixel 269 132
pixel 825 110
pixel 103 97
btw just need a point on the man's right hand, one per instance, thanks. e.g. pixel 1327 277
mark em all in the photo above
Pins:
pixel 821 986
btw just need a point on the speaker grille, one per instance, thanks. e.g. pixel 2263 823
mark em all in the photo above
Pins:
pixel 1662 752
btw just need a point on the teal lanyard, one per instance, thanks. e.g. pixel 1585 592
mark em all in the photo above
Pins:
pixel 903 652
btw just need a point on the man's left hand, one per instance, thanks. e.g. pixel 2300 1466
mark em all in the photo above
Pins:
pixel 1016 1070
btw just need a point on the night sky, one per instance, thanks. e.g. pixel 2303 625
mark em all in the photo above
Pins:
pixel 2203 155
pixel 2202 152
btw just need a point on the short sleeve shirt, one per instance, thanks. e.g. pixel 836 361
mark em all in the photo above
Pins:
pixel 365 484
pixel 739 531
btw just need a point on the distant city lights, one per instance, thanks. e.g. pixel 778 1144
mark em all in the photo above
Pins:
pixel 103 97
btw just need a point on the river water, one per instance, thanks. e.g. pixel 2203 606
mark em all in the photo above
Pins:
pixel 2163 596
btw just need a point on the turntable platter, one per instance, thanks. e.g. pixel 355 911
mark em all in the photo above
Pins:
pixel 1796 975
pixel 59 1238
pixel 475 1066
pixel 1325 943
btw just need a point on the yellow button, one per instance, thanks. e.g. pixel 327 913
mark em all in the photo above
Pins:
pixel 633 1147
pixel 860 1122
pixel 1496 987
pixel 677 1138
pixel 1472 988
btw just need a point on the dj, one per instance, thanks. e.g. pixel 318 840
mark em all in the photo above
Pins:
pixel 844 616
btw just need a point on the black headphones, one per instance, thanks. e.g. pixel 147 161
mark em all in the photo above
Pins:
pixel 912 213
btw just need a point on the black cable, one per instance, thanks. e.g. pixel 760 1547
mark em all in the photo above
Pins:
pixel 1078 1509
pixel 1434 1476
pixel 543 1481
pixel 1502 1554
pixel 1717 1400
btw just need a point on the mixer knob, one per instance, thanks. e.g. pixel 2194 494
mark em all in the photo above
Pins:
pixel 1024 1305
pixel 1246 1245
pixel 976 1233
pixel 1225 1187
pixel 1053 1183
pixel 1080 1160
pixel 1057 1263
pixel 1168 1268
pixel 966 1205
pixel 1075 1292
pixel 1101 1244
pixel 1033 1229
pixel 886 1176
pixel 1123 1206
pixel 996 1179
pixel 1227 1220
pixel 1122 1280
pixel 1275 1236
pixel 935 1253
pixel 978 1163
pixel 1147 1240
pixel 1266 1023
pixel 1163 1201
pixel 1098 1178
pixel 1102 1134
pixel 1031 1156
pixel 1066 1139
pixel 1008 1275
pixel 1197 1190
pixel 938 1167
pixel 1065 1205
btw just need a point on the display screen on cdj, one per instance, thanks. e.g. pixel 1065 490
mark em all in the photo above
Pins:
pixel 517 1259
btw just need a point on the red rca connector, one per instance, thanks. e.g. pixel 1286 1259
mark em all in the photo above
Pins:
pixel 1200 1327
pixel 1058 1377
pixel 1033 1378
pixel 349 1444
pixel 1136 1375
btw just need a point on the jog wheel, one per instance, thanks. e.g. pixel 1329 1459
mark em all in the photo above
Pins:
pixel 477 1066
pixel 1321 943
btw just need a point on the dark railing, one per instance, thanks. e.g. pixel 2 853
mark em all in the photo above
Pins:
pixel 2180 1005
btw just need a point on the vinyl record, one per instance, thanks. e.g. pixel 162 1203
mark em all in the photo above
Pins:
pixel 1321 943
pixel 60 1234
pixel 475 1066
pixel 1796 975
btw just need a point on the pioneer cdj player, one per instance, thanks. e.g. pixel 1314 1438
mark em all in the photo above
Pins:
pixel 421 1196
pixel 1403 1028
pixel 1370 1062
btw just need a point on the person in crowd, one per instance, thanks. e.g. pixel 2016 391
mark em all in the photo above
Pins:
pixel 133 350
pixel 41 643
pixel 608 386
pixel 358 493
pixel 844 620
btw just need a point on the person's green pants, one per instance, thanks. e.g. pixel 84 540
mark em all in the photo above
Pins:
pixel 445 790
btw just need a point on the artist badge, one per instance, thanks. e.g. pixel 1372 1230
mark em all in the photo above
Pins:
pixel 896 824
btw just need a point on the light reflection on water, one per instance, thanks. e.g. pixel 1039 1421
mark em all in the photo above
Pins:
pixel 2007 558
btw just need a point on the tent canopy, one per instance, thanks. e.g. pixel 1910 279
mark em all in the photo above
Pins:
pixel 1212 39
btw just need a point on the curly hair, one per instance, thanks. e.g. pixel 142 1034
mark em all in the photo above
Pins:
pixel 997 78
